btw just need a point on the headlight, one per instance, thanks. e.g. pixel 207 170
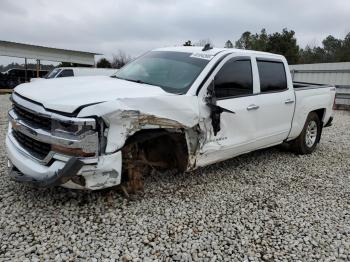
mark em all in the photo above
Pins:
pixel 72 127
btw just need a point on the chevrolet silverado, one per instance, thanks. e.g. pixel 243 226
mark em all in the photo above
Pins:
pixel 176 108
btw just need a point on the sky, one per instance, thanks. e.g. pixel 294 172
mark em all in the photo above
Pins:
pixel 106 26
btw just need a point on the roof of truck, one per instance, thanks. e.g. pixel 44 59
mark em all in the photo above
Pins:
pixel 214 51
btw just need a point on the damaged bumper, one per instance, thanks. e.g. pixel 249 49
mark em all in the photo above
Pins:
pixel 61 176
pixel 74 173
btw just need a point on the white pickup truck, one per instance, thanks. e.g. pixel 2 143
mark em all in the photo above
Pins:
pixel 176 108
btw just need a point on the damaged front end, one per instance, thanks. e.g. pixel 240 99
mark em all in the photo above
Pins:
pixel 105 145
pixel 151 134
pixel 47 149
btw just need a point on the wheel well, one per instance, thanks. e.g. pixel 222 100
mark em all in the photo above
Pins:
pixel 159 149
pixel 161 144
pixel 320 114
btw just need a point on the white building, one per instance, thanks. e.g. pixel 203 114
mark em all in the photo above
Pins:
pixel 27 51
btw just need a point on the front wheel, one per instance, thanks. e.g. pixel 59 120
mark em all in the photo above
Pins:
pixel 307 141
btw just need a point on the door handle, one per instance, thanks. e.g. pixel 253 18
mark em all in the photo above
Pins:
pixel 252 107
pixel 289 101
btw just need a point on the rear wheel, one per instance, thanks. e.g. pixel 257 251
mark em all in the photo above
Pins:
pixel 307 141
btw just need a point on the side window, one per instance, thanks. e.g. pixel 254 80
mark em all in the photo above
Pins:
pixel 66 72
pixel 272 76
pixel 234 79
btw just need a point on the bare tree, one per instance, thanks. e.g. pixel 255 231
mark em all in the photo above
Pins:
pixel 120 59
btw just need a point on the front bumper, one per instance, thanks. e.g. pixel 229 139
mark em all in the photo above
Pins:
pixel 59 177
pixel 105 173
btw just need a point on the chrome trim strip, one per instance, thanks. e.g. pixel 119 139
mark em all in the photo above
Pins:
pixel 85 160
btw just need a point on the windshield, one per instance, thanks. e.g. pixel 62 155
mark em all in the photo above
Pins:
pixel 53 73
pixel 172 71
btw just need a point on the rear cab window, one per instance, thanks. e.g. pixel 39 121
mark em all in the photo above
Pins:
pixel 272 76
pixel 53 73
pixel 66 73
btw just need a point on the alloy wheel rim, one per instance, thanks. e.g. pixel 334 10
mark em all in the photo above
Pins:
pixel 311 134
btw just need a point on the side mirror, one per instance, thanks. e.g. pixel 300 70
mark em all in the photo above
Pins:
pixel 210 99
pixel 215 110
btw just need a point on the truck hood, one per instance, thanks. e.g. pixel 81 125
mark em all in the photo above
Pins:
pixel 68 94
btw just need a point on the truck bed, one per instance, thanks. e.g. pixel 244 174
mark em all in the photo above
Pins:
pixel 304 85
pixel 310 97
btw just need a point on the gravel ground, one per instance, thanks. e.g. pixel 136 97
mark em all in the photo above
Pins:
pixel 267 205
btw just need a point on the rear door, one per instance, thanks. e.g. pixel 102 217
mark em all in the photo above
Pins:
pixel 275 102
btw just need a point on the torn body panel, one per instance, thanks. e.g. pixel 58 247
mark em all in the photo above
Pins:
pixel 143 130
pixel 124 117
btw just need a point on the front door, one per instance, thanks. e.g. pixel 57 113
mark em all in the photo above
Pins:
pixel 233 85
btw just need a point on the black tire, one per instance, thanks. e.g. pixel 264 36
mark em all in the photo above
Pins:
pixel 307 141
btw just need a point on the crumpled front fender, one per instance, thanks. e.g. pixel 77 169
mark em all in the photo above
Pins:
pixel 126 116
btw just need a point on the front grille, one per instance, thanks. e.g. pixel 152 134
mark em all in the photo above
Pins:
pixel 39 149
pixel 33 119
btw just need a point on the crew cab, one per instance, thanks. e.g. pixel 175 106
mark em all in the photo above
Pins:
pixel 176 108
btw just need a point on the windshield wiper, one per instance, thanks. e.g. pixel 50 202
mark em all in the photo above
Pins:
pixel 137 81
pixel 132 80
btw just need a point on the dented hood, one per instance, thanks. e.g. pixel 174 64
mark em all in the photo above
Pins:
pixel 68 94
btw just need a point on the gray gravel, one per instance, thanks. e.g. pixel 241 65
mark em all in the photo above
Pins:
pixel 267 205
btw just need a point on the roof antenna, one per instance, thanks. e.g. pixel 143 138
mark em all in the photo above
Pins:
pixel 207 47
